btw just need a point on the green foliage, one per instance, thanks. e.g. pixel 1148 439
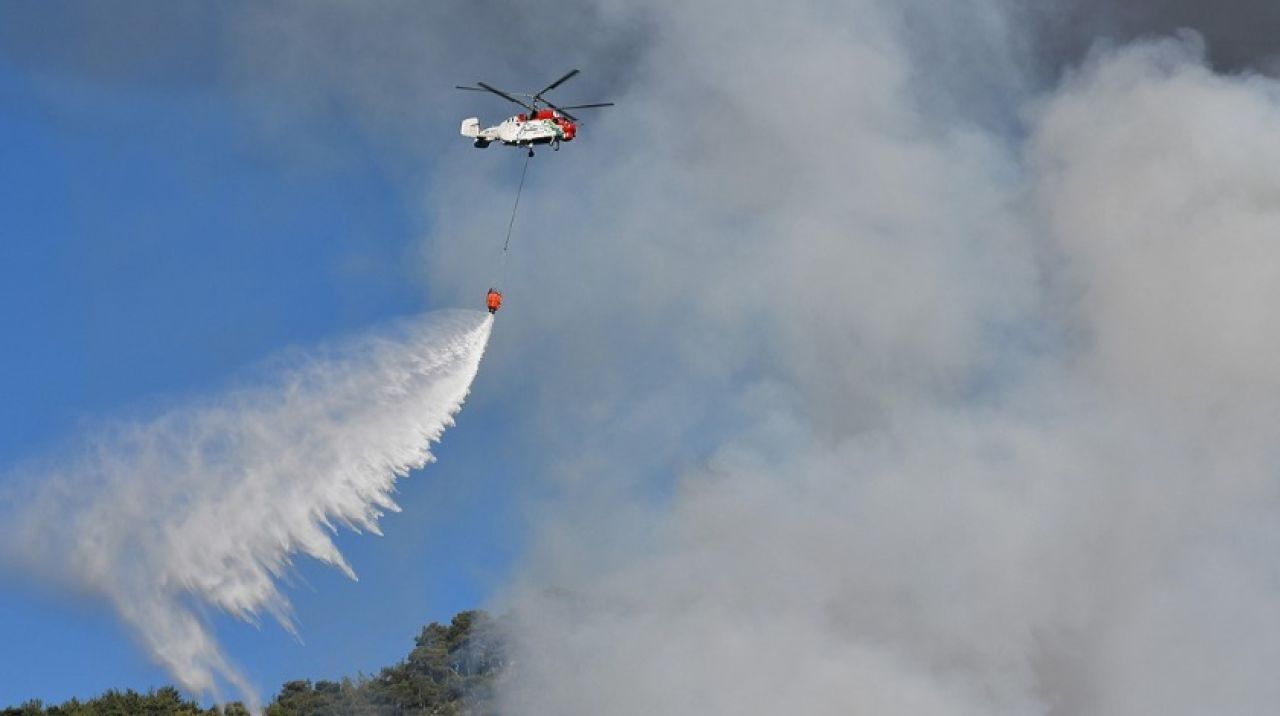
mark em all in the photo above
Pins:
pixel 449 672
pixel 166 701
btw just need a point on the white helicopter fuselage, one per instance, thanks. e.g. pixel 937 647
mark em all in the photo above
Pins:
pixel 515 131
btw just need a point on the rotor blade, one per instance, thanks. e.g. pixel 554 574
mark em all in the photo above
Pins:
pixel 555 84
pixel 473 89
pixel 505 96
pixel 585 106
pixel 561 111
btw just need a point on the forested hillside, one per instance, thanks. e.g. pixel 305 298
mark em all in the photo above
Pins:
pixel 450 672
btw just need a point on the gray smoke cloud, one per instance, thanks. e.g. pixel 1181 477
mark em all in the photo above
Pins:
pixel 885 409
pixel 1237 32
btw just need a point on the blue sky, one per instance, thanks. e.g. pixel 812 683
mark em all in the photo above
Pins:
pixel 150 248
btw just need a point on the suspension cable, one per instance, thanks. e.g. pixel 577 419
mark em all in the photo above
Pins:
pixel 506 245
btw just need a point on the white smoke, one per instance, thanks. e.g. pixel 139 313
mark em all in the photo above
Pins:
pixel 990 417
pixel 206 504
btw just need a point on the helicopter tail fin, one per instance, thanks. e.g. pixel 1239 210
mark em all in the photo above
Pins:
pixel 471 127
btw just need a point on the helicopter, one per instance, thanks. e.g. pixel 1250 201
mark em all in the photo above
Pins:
pixel 545 123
